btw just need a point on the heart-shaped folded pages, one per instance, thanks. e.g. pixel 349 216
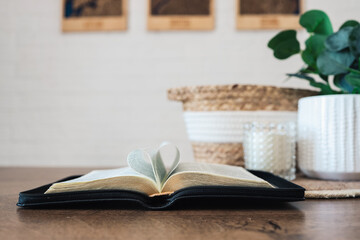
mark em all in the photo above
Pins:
pixel 151 164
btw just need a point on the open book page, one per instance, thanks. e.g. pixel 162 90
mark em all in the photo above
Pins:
pixel 112 179
pixel 205 174
pixel 141 162
pixel 170 151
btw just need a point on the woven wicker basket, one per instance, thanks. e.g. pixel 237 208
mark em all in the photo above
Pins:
pixel 242 98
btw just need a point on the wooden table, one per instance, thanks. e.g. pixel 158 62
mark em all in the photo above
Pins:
pixel 311 219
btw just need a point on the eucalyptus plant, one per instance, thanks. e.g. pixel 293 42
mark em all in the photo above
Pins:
pixel 333 56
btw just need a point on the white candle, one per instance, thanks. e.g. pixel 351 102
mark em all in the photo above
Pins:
pixel 270 147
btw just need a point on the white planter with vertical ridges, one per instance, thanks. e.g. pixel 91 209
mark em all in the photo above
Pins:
pixel 329 136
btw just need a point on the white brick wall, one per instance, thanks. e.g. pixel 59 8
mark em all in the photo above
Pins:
pixel 87 99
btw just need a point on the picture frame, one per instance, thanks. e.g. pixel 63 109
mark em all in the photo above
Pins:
pixel 200 17
pixel 253 15
pixel 93 15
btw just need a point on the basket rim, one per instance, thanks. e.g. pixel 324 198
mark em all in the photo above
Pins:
pixel 187 93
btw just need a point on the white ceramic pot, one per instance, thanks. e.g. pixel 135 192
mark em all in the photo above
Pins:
pixel 329 136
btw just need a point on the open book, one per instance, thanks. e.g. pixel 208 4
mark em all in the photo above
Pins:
pixel 147 174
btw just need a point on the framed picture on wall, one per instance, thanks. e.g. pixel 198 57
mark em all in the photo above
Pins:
pixel 268 14
pixel 94 15
pixel 181 14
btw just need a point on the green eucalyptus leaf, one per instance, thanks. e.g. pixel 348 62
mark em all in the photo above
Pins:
pixel 316 21
pixel 281 37
pixel 324 88
pixel 308 58
pixel 285 44
pixel 339 40
pixel 340 82
pixel 354 41
pixel 350 23
pixel 314 46
pixel 334 63
pixel 287 49
pixel 353 79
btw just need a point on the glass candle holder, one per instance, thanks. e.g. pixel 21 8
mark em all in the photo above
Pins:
pixel 270 147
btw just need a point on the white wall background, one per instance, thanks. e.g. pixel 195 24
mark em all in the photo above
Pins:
pixel 87 99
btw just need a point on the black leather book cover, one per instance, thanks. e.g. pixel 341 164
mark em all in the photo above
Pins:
pixel 215 196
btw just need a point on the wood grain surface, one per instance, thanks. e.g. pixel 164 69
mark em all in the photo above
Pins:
pixel 315 219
